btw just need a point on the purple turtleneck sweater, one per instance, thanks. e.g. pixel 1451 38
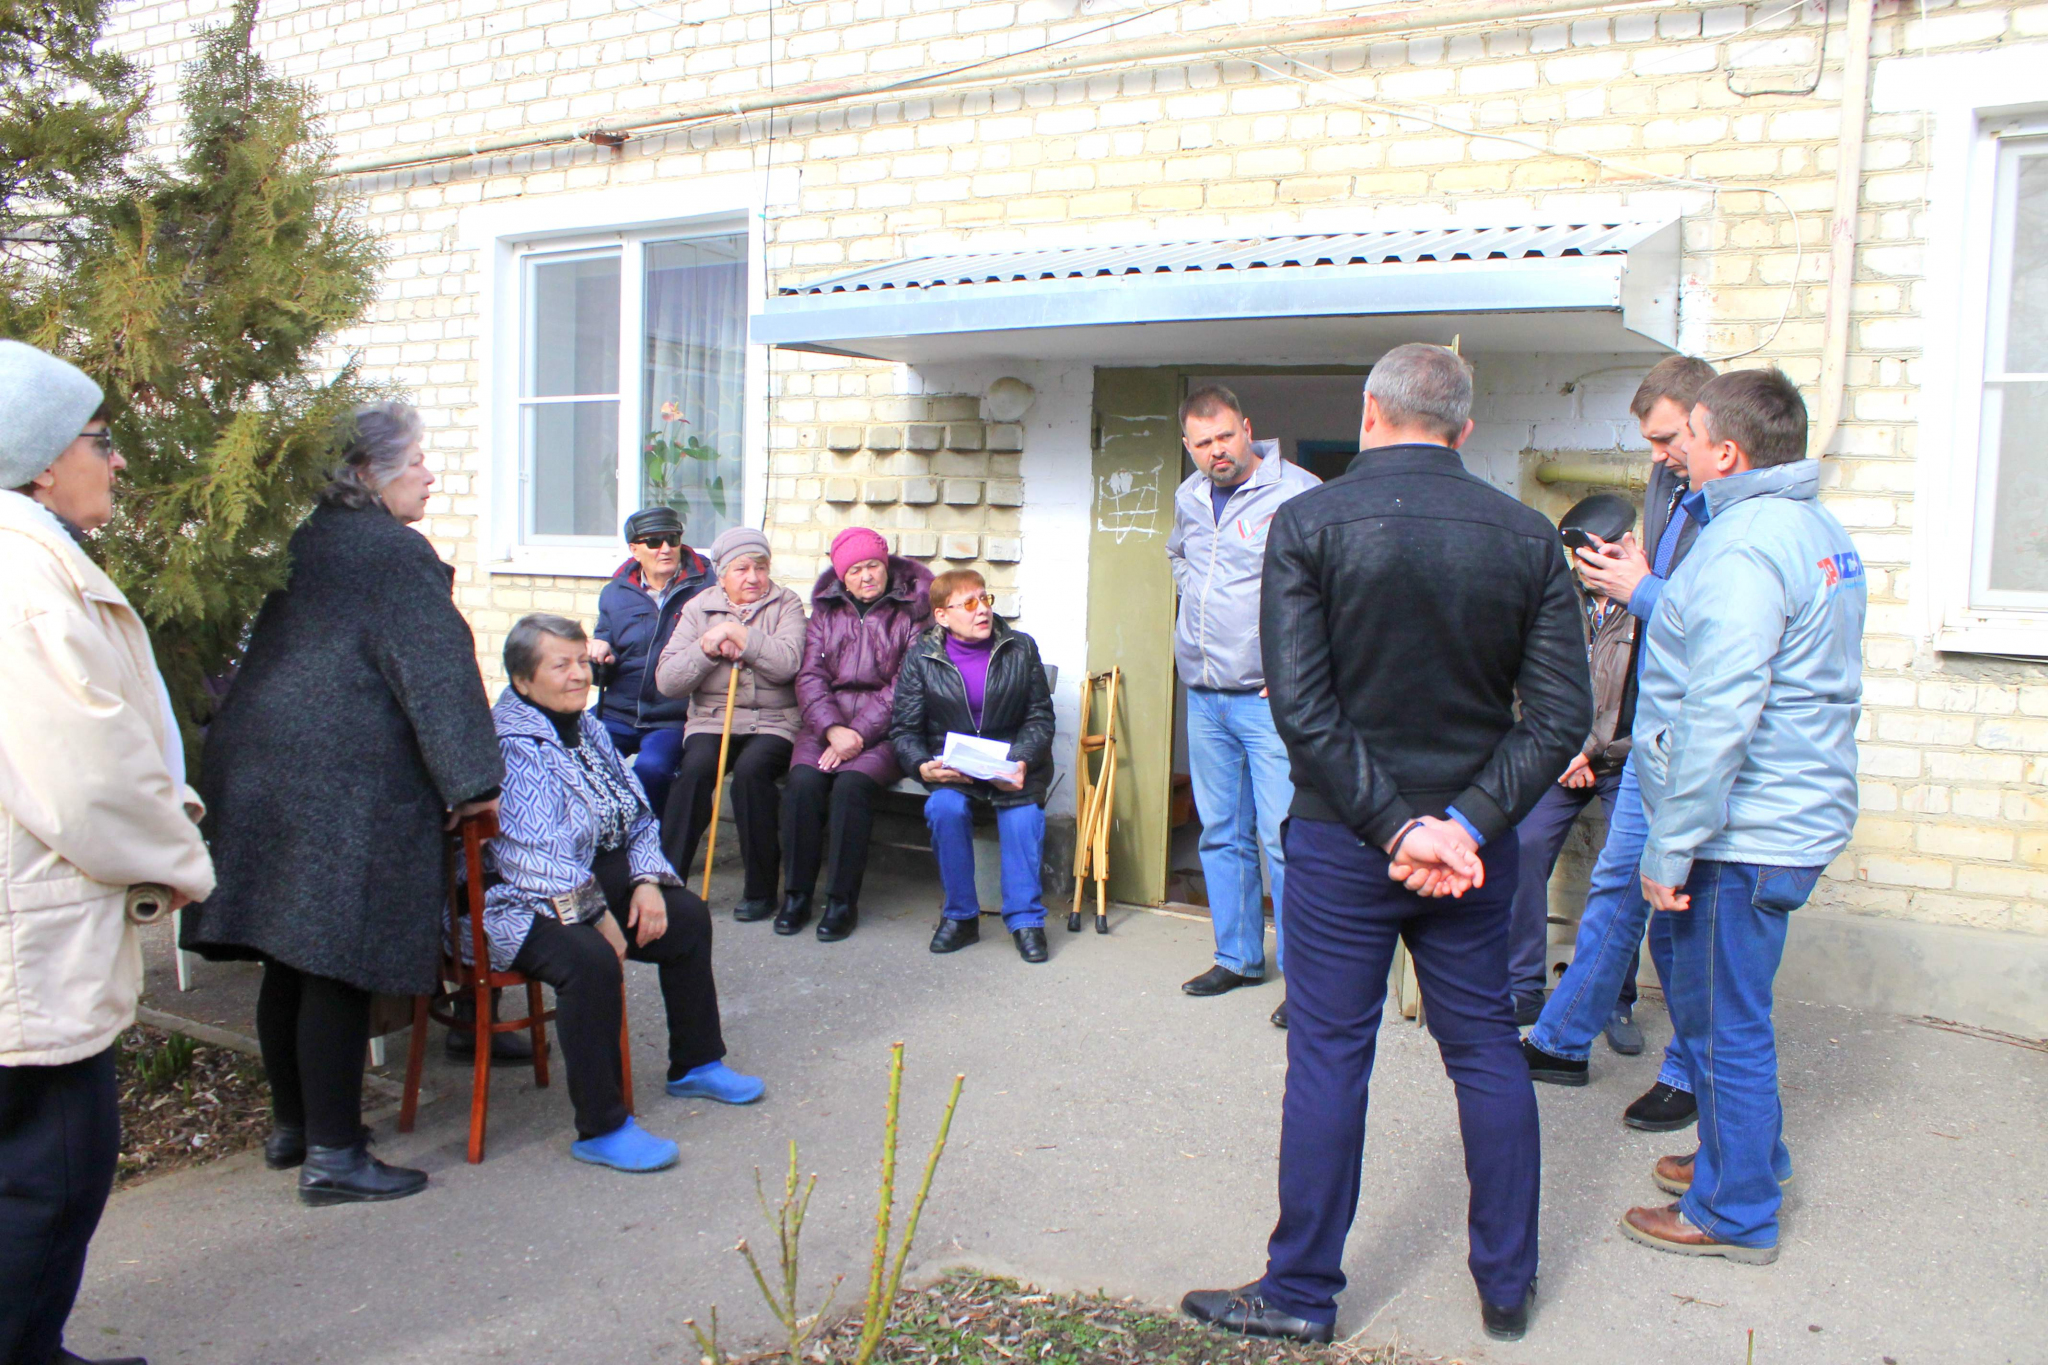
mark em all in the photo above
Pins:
pixel 971 658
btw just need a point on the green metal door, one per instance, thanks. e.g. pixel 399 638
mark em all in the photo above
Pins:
pixel 1130 611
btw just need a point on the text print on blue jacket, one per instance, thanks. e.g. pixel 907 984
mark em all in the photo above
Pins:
pixel 1217 563
pixel 1745 735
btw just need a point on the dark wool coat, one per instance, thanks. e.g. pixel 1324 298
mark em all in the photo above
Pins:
pixel 851 662
pixel 931 699
pixel 357 720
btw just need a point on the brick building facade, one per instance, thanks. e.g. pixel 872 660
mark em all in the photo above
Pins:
pixel 521 157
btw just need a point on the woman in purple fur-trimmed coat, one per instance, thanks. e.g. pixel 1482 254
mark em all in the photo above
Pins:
pixel 865 611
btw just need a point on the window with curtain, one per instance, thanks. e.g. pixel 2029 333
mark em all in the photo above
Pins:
pixel 2011 560
pixel 693 391
pixel 632 387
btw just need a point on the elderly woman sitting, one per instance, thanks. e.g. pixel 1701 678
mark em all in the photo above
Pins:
pixel 750 623
pixel 578 884
pixel 972 674
pixel 865 612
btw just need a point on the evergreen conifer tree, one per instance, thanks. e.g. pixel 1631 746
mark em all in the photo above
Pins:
pixel 202 297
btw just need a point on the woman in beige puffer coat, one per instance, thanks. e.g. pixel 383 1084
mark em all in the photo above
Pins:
pixel 93 801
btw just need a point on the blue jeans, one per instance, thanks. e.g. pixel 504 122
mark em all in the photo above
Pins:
pixel 1238 768
pixel 656 751
pixel 1021 830
pixel 1610 931
pixel 1346 916
pixel 1725 951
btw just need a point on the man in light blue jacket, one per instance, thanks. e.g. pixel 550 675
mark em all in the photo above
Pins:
pixel 1236 762
pixel 1745 746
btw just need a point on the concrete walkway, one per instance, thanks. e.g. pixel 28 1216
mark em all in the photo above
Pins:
pixel 1116 1135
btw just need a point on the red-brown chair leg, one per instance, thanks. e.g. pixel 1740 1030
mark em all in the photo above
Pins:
pixel 626 1050
pixel 415 1059
pixel 480 1087
pixel 537 1029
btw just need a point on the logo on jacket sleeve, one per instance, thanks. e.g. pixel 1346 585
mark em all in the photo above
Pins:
pixel 1845 567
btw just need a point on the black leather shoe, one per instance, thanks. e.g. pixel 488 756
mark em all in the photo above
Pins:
pixel 1278 1018
pixel 350 1175
pixel 954 934
pixel 67 1356
pixel 1216 981
pixel 796 913
pixel 285 1147
pixel 747 911
pixel 507 1049
pixel 1662 1109
pixel 1552 1070
pixel 1246 1313
pixel 838 921
pixel 1510 1322
pixel 1030 944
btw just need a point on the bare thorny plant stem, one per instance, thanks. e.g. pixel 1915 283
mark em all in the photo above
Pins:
pixel 885 1276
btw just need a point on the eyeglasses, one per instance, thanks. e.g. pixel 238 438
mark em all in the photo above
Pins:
pixel 987 599
pixel 665 540
pixel 102 441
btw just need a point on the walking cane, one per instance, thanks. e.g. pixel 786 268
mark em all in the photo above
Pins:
pixel 732 685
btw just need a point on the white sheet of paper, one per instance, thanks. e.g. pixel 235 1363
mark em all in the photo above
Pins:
pixel 977 757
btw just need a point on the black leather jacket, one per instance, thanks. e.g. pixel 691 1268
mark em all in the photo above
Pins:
pixel 931 698
pixel 1406 607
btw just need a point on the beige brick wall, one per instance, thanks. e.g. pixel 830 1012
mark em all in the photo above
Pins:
pixel 1492 123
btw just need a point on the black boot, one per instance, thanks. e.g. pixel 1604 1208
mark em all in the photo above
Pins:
pixel 955 934
pixel 350 1175
pixel 754 908
pixel 1030 944
pixel 796 913
pixel 1662 1109
pixel 1245 1313
pixel 507 1049
pixel 285 1147
pixel 1507 1322
pixel 838 921
pixel 1553 1070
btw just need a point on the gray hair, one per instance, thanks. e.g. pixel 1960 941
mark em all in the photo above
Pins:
pixel 379 447
pixel 1423 385
pixel 522 642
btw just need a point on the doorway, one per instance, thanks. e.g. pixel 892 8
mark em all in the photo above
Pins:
pixel 1138 463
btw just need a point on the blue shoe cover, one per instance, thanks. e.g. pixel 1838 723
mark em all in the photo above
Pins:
pixel 717 1081
pixel 629 1147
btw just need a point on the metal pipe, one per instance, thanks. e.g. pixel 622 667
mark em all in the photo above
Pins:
pixel 1593 475
pixel 1024 66
pixel 1834 347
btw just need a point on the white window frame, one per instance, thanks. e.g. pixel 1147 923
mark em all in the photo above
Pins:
pixel 505 236
pixel 1976 100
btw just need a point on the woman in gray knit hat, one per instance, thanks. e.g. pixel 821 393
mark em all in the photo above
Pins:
pixel 750 623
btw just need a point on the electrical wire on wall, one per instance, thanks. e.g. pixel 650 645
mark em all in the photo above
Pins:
pixel 1332 84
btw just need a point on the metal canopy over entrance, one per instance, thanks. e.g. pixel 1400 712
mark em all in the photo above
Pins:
pixel 1288 300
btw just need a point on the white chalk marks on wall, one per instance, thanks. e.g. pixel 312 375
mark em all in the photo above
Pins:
pixel 1127 503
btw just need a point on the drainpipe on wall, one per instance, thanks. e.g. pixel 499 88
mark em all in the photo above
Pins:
pixel 1834 348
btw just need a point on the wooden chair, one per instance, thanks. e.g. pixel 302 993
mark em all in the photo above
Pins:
pixel 476 979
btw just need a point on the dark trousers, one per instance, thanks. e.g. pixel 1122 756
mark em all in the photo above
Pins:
pixel 1343 917
pixel 1542 834
pixel 60 1136
pixel 756 763
pixel 822 810
pixel 314 1031
pixel 587 978
pixel 656 751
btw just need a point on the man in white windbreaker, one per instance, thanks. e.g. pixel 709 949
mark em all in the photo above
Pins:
pixel 1236 762
pixel 93 801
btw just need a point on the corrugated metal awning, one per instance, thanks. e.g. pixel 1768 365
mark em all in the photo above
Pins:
pixel 1595 286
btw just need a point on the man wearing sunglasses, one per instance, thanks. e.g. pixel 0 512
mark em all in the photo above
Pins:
pixel 636 613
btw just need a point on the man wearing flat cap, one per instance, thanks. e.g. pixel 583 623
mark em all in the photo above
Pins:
pixel 93 802
pixel 636 614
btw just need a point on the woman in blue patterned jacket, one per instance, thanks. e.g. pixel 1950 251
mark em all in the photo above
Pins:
pixel 579 884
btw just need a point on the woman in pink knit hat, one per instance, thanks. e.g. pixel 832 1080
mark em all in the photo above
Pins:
pixel 865 611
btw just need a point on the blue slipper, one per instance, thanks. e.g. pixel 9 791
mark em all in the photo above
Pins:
pixel 629 1147
pixel 717 1081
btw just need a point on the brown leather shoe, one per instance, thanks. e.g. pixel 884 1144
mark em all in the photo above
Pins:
pixel 1673 1174
pixel 1667 1230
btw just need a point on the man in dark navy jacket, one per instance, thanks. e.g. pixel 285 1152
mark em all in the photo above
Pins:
pixel 636 611
pixel 1407 607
